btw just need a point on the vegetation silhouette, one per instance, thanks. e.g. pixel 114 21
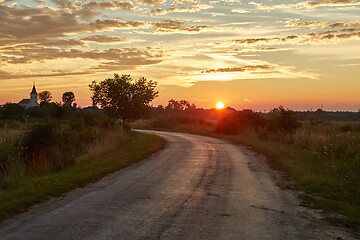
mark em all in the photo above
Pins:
pixel 123 98
pixel 45 97
pixel 68 98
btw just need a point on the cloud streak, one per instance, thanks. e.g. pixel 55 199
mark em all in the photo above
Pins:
pixel 183 9
pixel 307 4
pixel 248 68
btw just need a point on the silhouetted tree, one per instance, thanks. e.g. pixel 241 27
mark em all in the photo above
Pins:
pixel 123 98
pixel 45 97
pixel 179 105
pixel 68 98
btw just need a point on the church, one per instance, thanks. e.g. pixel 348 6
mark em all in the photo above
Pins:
pixel 33 101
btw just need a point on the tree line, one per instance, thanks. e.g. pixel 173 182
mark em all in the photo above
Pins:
pixel 126 99
pixel 13 111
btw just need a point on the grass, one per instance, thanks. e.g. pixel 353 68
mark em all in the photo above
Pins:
pixel 19 195
pixel 322 161
pixel 323 183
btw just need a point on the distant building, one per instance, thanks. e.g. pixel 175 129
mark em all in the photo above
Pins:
pixel 33 101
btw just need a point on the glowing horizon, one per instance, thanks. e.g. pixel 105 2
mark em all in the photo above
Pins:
pixel 250 54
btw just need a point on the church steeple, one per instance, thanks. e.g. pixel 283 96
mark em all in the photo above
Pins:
pixel 33 97
pixel 33 90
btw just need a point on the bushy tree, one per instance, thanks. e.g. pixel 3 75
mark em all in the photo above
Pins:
pixel 68 98
pixel 124 98
pixel 45 97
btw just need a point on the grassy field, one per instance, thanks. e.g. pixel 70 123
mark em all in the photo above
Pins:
pixel 18 195
pixel 321 159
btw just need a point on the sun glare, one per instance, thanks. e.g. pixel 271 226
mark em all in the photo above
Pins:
pixel 219 105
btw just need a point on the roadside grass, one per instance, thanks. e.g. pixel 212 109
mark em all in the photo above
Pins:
pixel 322 161
pixel 321 189
pixel 17 196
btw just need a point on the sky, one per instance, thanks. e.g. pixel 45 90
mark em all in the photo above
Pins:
pixel 256 54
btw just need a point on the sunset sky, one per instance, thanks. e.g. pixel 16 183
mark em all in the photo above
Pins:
pixel 247 53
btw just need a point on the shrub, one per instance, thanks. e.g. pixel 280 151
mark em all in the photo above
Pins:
pixel 282 120
pixel 10 155
pixel 228 124
pixel 12 111
pixel 236 122
pixel 50 147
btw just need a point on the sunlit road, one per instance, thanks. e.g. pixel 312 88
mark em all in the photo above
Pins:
pixel 197 188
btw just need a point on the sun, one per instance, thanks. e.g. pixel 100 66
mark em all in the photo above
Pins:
pixel 219 105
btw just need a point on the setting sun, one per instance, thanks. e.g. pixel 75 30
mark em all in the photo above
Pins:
pixel 219 105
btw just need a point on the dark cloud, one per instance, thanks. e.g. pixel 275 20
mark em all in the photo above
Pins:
pixel 296 39
pixel 4 74
pixel 189 9
pixel 313 24
pixel 110 5
pixel 265 40
pixel 344 25
pixel 109 60
pixel 150 2
pixel 307 4
pixel 111 24
pixel 62 3
pixel 105 39
pixel 271 44
pixel 120 56
pixel 60 42
pixel 39 22
pixel 55 73
pixel 332 3
pixel 306 24
pixel 177 25
pixel 45 23
pixel 248 68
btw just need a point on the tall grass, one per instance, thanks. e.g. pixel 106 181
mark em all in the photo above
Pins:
pixel 107 139
pixel 11 165
pixel 49 147
pixel 8 134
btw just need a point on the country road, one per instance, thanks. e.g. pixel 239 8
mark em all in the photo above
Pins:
pixel 196 188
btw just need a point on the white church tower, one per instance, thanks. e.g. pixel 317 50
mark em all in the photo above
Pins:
pixel 33 101
pixel 33 97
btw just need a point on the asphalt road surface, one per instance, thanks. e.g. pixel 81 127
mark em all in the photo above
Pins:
pixel 196 188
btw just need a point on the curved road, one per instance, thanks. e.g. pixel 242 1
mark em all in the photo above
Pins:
pixel 196 188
